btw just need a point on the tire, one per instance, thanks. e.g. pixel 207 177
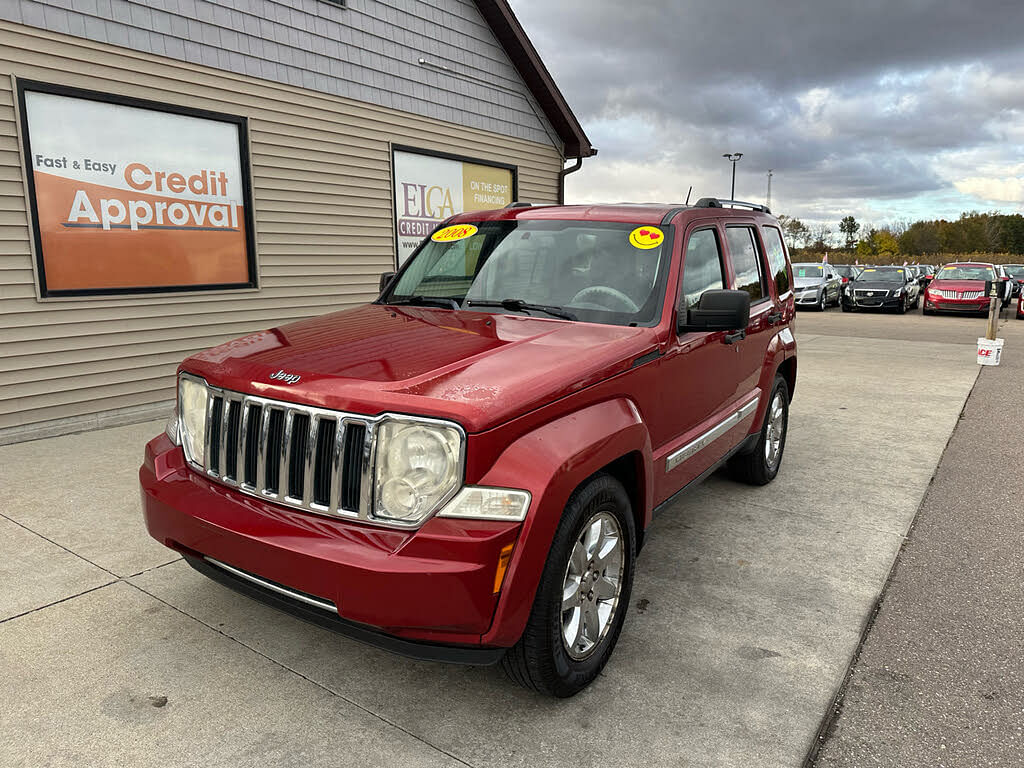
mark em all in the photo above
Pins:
pixel 846 308
pixel 758 467
pixel 542 660
pixel 902 308
pixel 917 302
pixel 821 303
pixel 926 311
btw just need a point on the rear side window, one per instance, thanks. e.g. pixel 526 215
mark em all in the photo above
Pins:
pixel 702 267
pixel 746 261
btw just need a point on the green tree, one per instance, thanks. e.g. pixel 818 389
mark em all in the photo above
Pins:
pixel 849 227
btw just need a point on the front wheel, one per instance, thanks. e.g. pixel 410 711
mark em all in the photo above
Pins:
pixel 761 465
pixel 846 307
pixel 821 303
pixel 583 595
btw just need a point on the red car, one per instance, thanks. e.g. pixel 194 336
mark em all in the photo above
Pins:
pixel 465 469
pixel 959 287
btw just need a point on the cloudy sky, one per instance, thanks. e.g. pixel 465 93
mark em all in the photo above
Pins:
pixel 895 110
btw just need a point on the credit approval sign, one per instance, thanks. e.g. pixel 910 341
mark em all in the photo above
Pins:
pixel 430 187
pixel 131 197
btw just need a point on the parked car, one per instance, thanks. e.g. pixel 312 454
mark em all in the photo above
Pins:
pixel 892 288
pixel 959 287
pixel 465 469
pixel 817 286
pixel 1006 287
pixel 1016 273
pixel 927 273
pixel 846 272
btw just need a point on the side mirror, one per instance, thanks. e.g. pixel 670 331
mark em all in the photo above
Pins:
pixel 718 310
pixel 385 280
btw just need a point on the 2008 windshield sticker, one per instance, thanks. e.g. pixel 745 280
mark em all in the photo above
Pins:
pixel 453 233
pixel 646 237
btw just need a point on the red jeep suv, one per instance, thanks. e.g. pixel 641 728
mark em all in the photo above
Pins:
pixel 464 470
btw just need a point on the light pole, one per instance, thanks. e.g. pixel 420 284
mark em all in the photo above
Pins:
pixel 733 157
pixel 768 200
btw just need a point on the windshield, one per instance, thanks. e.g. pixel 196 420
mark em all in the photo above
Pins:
pixel 966 272
pixel 807 271
pixel 598 272
pixel 845 270
pixel 882 275
pixel 1015 271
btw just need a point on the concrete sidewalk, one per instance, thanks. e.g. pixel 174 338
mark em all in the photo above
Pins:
pixel 747 606
pixel 940 678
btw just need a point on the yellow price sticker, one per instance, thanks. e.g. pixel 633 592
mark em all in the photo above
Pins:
pixel 646 237
pixel 453 233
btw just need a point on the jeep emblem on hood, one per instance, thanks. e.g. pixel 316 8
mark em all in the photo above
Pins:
pixel 287 378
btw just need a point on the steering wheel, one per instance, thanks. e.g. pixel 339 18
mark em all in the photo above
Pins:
pixel 601 293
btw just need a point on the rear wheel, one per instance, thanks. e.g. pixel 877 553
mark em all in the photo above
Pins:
pixel 583 595
pixel 761 465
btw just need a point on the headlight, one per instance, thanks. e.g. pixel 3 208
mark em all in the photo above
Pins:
pixel 192 397
pixel 897 291
pixel 419 467
pixel 488 504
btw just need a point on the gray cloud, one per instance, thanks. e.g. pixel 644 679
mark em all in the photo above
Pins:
pixel 851 103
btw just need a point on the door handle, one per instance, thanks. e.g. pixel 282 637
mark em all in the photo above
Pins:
pixel 732 338
pixel 774 317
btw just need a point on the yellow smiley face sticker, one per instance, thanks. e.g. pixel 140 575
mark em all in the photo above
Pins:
pixel 453 233
pixel 646 237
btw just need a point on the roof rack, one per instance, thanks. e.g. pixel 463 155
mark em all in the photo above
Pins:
pixel 518 204
pixel 714 202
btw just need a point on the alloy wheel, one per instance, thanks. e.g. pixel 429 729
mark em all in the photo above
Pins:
pixel 775 432
pixel 592 585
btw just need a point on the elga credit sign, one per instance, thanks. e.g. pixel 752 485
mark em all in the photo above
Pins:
pixel 135 198
pixel 430 188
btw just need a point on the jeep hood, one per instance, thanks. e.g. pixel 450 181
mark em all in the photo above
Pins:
pixel 476 368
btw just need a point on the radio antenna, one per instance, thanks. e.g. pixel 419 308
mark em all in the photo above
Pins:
pixel 688 195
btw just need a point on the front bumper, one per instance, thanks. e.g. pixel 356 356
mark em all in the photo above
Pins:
pixel 965 306
pixel 427 593
pixel 872 302
pixel 810 299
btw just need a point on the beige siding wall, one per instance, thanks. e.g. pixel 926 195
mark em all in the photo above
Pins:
pixel 322 188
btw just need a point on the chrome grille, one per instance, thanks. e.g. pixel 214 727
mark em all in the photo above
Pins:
pixel 871 293
pixel 947 294
pixel 297 455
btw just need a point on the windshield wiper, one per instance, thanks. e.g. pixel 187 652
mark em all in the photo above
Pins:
pixel 518 305
pixel 426 301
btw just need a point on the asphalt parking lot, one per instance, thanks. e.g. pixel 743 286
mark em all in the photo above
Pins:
pixel 747 608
